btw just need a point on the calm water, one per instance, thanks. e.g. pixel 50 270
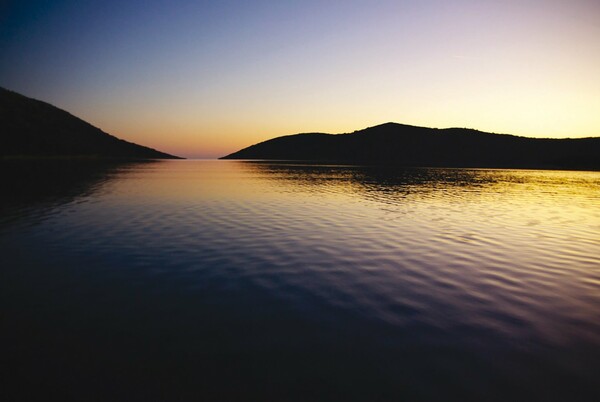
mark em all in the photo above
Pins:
pixel 225 280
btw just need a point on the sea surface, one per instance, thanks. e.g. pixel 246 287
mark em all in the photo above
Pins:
pixel 237 280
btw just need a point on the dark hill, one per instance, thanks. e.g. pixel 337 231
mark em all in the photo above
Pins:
pixel 32 128
pixel 404 145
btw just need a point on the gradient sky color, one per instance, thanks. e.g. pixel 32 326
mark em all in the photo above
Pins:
pixel 203 79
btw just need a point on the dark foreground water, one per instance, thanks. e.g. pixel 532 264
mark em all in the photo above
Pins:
pixel 224 280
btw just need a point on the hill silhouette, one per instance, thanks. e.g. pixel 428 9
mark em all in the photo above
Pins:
pixel 32 128
pixel 405 145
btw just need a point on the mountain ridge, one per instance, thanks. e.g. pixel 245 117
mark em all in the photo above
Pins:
pixel 407 145
pixel 34 128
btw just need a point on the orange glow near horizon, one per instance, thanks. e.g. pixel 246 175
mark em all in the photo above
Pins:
pixel 203 80
pixel 197 138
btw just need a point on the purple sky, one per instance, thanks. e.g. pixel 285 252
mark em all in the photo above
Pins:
pixel 202 79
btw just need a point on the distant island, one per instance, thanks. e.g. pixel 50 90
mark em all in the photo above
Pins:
pixel 404 145
pixel 31 128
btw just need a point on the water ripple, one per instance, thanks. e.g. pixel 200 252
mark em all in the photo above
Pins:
pixel 486 274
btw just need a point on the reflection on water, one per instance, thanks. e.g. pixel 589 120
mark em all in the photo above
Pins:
pixel 244 280
pixel 36 186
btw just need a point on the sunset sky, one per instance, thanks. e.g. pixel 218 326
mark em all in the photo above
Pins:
pixel 203 79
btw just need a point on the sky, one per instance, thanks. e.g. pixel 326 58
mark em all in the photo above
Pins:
pixel 202 79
